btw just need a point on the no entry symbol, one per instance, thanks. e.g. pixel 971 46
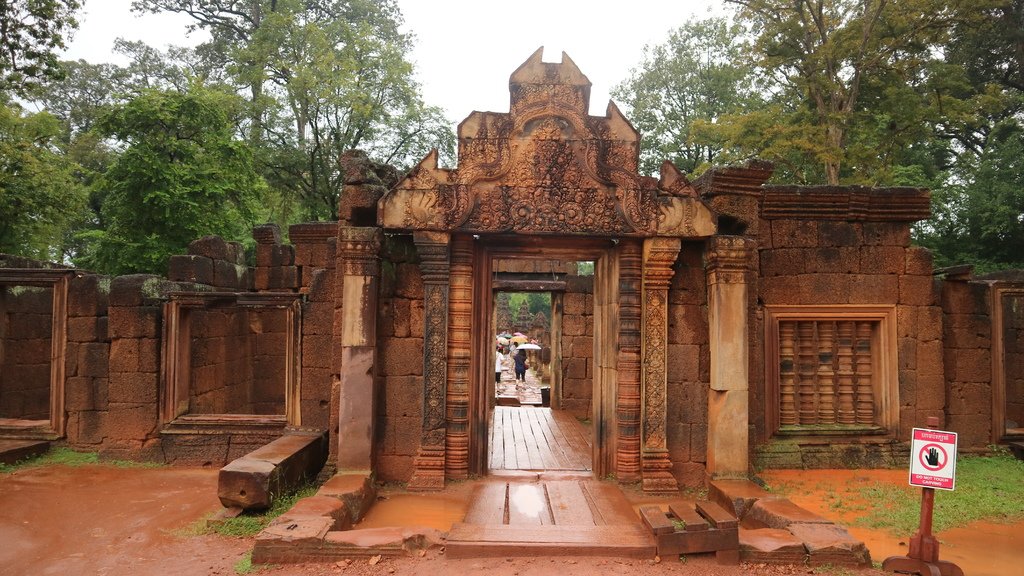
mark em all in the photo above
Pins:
pixel 933 457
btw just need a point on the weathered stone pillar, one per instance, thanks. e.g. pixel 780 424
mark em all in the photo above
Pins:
pixel 658 256
pixel 360 271
pixel 460 319
pixel 627 405
pixel 729 263
pixel 429 465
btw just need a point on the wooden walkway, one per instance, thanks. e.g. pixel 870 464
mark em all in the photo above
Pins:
pixel 549 518
pixel 528 438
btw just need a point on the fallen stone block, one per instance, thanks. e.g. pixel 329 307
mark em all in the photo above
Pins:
pixel 14 451
pixel 831 544
pixel 319 507
pixel 253 481
pixel 355 490
pixel 736 496
pixel 771 545
pixel 781 512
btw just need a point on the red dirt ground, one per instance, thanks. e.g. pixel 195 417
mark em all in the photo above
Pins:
pixel 105 520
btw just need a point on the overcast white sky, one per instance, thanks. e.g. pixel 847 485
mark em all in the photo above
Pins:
pixel 465 49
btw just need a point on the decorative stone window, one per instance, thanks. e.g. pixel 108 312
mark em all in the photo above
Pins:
pixel 831 370
pixel 230 361
pixel 1008 363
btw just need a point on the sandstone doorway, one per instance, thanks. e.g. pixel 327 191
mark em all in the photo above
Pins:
pixel 573 431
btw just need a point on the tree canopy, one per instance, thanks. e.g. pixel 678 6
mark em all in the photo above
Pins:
pixel 31 33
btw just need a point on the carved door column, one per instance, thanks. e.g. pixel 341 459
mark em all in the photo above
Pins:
pixel 460 320
pixel 360 272
pixel 729 265
pixel 429 465
pixel 658 256
pixel 627 405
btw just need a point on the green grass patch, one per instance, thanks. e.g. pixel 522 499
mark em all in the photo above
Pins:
pixel 987 488
pixel 245 565
pixel 250 523
pixel 63 456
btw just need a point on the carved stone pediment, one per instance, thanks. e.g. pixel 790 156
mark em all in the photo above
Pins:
pixel 547 167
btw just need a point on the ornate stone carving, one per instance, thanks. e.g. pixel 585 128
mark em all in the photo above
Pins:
pixel 627 405
pixel 429 465
pixel 547 167
pixel 358 249
pixel 658 256
pixel 460 306
pixel 729 259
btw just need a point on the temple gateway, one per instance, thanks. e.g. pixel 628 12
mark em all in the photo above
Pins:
pixel 697 329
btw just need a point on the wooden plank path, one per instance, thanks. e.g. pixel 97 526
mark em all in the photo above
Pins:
pixel 527 438
pixel 550 518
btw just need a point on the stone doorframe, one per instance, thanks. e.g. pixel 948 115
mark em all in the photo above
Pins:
pixel 632 277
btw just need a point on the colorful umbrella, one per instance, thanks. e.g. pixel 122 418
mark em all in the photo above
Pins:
pixel 518 339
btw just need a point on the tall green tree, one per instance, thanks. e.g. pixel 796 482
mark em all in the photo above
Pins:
pixel 182 174
pixel 321 77
pixel 698 74
pixel 31 34
pixel 40 197
pixel 821 55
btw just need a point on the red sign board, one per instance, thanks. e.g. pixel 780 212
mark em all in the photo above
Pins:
pixel 933 459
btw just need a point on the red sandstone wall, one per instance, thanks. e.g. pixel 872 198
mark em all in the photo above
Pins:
pixel 25 325
pixel 805 262
pixel 87 364
pixel 968 361
pixel 400 361
pixel 688 368
pixel 578 345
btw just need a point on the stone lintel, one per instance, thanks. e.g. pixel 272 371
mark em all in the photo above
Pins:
pixel 846 203
pixel 734 180
pixel 312 232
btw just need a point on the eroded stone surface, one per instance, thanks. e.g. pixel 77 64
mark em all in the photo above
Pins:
pixel 773 545
pixel 831 544
pixel 781 512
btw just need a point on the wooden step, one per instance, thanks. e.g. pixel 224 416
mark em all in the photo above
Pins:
pixel 488 541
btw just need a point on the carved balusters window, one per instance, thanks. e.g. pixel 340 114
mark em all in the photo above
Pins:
pixel 831 370
pixel 824 385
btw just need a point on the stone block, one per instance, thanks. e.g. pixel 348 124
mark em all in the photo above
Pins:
pixel 87 329
pixel 321 286
pixel 582 347
pixel 134 322
pixel 689 474
pixel 929 323
pixel 355 490
pixel 781 513
pixel 736 496
pixel 839 234
pixel 317 318
pixel 873 288
pixel 794 233
pixel 831 260
pixel 78 394
pixel 93 359
pixel 771 545
pixel 919 261
pixel 131 421
pixel 394 468
pixel 780 290
pixel 727 450
pixel 401 357
pixel 318 507
pixel 831 544
pixel 230 275
pixel 124 355
pixel 416 315
pixel 971 365
pixel 403 396
pixel 783 262
pixel 574 304
pixel 190 268
pixel 687 324
pixel 918 291
pixel 133 289
pixel 211 246
pixel 88 295
pixel 408 281
pixel 683 362
pixel 400 317
pixel 133 387
pixel 886 233
pixel 253 481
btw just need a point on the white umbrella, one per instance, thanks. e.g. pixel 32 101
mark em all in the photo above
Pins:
pixel 529 346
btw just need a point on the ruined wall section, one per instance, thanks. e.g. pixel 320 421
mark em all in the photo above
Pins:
pixel 314 248
pixel 839 247
pixel 688 370
pixel 222 362
pixel 87 364
pixel 213 262
pixel 400 325
pixel 967 359
pixel 578 345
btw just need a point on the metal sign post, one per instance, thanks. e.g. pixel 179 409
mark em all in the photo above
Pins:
pixel 932 465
